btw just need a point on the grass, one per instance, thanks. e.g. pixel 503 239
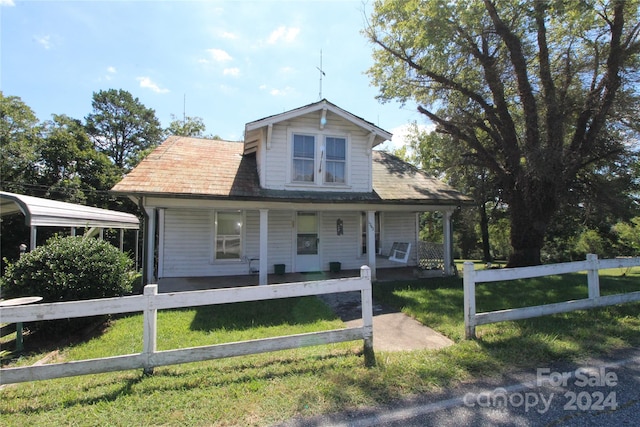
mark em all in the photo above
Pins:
pixel 269 388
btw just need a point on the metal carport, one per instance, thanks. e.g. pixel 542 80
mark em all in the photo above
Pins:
pixel 39 212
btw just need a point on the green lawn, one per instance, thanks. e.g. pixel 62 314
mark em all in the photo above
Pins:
pixel 267 388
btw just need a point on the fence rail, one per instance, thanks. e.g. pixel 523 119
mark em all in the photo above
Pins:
pixel 592 265
pixel 151 301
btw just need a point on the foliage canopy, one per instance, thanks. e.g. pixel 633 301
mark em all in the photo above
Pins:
pixel 534 92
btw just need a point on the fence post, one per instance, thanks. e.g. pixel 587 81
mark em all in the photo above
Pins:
pixel 593 278
pixel 469 286
pixel 150 321
pixel 367 317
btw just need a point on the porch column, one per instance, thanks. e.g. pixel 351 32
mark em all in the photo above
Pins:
pixel 264 237
pixel 448 242
pixel 160 227
pixel 148 253
pixel 371 242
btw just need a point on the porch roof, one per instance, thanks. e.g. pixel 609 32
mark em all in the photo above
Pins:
pixel 213 169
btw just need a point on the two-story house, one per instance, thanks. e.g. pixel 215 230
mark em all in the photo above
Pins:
pixel 304 191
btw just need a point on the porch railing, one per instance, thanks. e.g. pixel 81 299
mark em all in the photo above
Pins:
pixel 430 255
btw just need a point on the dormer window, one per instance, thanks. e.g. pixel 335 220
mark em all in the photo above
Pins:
pixel 304 150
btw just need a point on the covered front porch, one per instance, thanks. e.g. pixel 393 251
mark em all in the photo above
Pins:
pixel 187 239
pixel 182 284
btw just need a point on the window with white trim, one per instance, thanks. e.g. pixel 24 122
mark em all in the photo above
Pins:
pixel 304 158
pixel 228 235
pixel 336 160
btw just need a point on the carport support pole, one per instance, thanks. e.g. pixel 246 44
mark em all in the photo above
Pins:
pixel 34 232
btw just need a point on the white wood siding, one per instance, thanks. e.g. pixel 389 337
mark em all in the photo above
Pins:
pixel 281 226
pixel 345 248
pixel 277 160
pixel 188 241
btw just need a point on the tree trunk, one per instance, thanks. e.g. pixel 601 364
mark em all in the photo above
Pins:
pixel 531 211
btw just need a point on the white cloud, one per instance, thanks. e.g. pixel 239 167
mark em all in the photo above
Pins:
pixel 111 71
pixel 227 35
pixel 287 70
pixel 286 34
pixel 146 82
pixel 233 72
pixel 281 92
pixel 7 3
pixel 44 41
pixel 219 55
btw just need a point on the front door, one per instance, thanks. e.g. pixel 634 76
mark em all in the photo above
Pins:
pixel 307 256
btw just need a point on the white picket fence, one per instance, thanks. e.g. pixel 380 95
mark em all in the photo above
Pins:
pixel 151 301
pixel 591 265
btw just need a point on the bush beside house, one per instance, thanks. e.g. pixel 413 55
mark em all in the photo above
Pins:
pixel 70 269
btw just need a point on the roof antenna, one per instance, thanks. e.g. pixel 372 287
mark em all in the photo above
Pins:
pixel 321 74
pixel 184 110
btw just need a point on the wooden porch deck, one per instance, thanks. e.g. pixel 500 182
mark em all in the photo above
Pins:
pixel 180 284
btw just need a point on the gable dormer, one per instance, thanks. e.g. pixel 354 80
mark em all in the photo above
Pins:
pixel 318 147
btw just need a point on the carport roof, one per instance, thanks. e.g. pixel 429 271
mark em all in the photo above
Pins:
pixel 52 213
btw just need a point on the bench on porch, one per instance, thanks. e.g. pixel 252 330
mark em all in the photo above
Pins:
pixel 400 252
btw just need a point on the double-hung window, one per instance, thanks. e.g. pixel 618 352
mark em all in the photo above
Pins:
pixel 228 231
pixel 304 158
pixel 336 160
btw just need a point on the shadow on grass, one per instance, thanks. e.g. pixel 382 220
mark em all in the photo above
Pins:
pixel 438 303
pixel 248 315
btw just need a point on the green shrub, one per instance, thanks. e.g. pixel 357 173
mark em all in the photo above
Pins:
pixel 69 269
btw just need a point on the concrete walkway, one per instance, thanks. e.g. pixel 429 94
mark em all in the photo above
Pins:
pixel 392 330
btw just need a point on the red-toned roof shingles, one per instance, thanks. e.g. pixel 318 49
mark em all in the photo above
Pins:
pixel 184 166
pixel 197 167
pixel 395 179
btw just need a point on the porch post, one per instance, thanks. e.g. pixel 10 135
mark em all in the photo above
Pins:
pixel 149 248
pixel 371 242
pixel 448 245
pixel 160 227
pixel 264 237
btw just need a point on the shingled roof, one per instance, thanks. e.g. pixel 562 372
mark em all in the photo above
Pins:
pixel 196 167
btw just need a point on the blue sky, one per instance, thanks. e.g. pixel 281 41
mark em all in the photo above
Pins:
pixel 233 61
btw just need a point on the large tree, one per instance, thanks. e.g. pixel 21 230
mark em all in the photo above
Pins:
pixel 188 126
pixel 19 144
pixel 122 127
pixel 525 88
pixel 71 169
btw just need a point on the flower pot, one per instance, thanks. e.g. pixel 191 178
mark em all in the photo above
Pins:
pixel 278 269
